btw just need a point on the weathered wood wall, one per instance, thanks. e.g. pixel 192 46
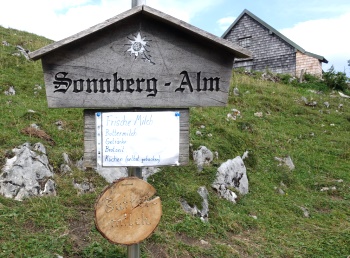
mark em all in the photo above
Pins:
pixel 268 50
pixel 138 62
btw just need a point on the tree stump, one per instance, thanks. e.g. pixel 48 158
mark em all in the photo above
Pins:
pixel 124 213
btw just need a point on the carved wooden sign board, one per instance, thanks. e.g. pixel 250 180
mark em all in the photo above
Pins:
pixel 139 61
pixel 140 58
pixel 124 212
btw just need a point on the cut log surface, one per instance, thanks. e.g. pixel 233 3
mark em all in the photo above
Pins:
pixel 124 212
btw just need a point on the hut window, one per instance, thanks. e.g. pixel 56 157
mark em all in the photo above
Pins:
pixel 245 41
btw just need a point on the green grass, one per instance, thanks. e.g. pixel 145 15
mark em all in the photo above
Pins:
pixel 317 140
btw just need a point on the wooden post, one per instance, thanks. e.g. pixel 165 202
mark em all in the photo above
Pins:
pixel 134 250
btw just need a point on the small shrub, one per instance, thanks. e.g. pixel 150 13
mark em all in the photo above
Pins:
pixel 335 80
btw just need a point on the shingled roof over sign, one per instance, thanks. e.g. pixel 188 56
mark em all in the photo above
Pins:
pixel 274 31
pixel 193 31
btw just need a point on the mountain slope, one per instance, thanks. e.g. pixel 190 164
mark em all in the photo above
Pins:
pixel 270 221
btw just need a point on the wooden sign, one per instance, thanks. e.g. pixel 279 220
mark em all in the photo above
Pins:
pixel 141 58
pixel 124 212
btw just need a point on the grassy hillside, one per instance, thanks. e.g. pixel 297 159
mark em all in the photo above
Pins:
pixel 264 223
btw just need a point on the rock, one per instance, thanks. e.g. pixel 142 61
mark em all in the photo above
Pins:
pixel 149 171
pixel 5 43
pixel 245 155
pixel 35 126
pixel 204 212
pixel 64 168
pixel 332 188
pixel 27 174
pixel 280 191
pixel 80 164
pixel 230 117
pixel 236 91
pixel 286 161
pixel 216 154
pixel 59 124
pixel 111 174
pixel 234 115
pixel 49 188
pixel 66 159
pixel 198 133
pixel 326 103
pixel 305 212
pixel 203 242
pixel 307 103
pixel 10 91
pixel 231 174
pixel 23 52
pixel 343 95
pixel 258 114
pixel 202 156
pixel 84 187
pixel 37 87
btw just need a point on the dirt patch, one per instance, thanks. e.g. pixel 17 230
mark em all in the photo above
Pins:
pixel 80 228
pixel 157 251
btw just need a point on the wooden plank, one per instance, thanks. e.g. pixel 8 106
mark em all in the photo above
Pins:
pixel 90 159
pixel 125 67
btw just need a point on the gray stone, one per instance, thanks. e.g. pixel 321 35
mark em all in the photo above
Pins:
pixel 280 191
pixel 305 212
pixel 66 159
pixel 67 163
pixel 64 168
pixel 199 133
pixel 203 242
pixel 59 124
pixel 80 164
pixel 10 91
pixel 49 188
pixel 287 161
pixel 24 174
pixel 149 171
pixel 83 187
pixel 204 212
pixel 231 174
pixel 202 156
pixel 23 52
pixel 112 174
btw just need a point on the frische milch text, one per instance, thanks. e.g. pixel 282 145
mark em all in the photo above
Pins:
pixel 64 82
